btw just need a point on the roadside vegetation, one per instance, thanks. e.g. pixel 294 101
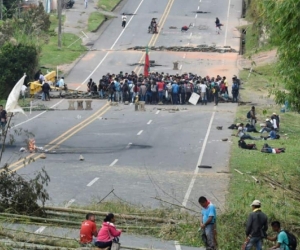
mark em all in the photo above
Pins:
pixel 278 185
pixel 108 5
pixel 95 20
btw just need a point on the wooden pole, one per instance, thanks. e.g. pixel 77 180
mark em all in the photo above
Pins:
pixel 122 216
pixel 59 9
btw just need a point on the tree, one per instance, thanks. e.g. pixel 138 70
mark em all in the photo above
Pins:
pixel 11 6
pixel 15 60
pixel 282 21
pixel 18 195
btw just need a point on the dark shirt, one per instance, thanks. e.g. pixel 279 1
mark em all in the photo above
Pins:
pixel 257 224
pixel 3 115
pixel 46 87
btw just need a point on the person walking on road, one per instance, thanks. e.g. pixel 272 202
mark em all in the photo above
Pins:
pixel 208 222
pixel 256 227
pixel 124 20
pixel 218 25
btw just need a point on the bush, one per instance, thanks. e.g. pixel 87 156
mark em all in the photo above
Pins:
pixel 15 60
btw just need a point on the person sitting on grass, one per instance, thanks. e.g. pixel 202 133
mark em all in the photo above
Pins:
pixel 282 240
pixel 108 232
pixel 244 145
pixel 272 135
pixel 241 133
pixel 267 127
pixel 269 150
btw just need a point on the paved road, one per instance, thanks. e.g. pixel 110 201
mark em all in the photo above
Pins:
pixel 141 154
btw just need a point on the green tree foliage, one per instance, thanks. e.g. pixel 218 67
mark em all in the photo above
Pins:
pixel 19 195
pixel 11 6
pixel 15 60
pixel 282 20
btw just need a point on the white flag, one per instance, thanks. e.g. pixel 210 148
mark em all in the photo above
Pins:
pixel 12 101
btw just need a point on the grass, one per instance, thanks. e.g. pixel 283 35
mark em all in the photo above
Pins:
pixel 280 204
pixel 108 5
pixel 95 19
pixel 51 55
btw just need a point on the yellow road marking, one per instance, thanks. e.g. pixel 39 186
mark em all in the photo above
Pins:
pixel 154 37
pixel 79 125
pixel 64 139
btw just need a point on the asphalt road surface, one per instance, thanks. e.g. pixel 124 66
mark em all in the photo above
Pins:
pixel 141 155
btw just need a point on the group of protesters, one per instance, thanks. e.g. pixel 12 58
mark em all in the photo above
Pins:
pixel 163 88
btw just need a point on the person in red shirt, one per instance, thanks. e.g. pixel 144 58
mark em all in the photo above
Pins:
pixel 88 230
pixel 160 88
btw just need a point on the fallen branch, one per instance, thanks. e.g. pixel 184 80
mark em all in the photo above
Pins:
pixel 174 204
pixel 272 186
pixel 122 216
pixel 255 179
pixel 238 171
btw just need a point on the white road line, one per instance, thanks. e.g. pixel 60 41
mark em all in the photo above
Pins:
pixel 198 7
pixel 40 230
pixel 196 16
pixel 149 122
pixel 70 202
pixel 188 192
pixel 139 133
pixel 184 55
pixel 180 67
pixel 128 146
pixel 114 162
pixel 191 34
pixel 92 182
pixel 157 112
pixel 91 72
pixel 177 245
pixel 226 29
pixel 112 45
pixel 36 115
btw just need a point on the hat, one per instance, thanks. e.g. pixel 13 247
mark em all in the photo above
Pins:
pixel 267 119
pixel 256 203
pixel 274 113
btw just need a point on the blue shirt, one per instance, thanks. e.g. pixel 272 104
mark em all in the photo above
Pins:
pixel 283 240
pixel 175 88
pixel 208 212
pixel 117 86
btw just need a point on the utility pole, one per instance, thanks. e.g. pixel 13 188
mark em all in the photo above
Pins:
pixel 59 9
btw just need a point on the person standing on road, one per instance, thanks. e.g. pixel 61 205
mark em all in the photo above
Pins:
pixel 124 20
pixel 85 3
pixel 182 92
pixel 203 89
pixel 61 85
pixel 46 89
pixel 88 230
pixel 208 222
pixel 175 91
pixel 234 91
pixel 161 88
pixel 216 90
pixel 218 25
pixel 256 227
pixel 117 89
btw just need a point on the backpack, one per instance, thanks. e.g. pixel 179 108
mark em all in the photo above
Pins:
pixel 249 114
pixel 235 87
pixel 292 240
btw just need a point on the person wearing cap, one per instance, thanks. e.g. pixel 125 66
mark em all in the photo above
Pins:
pixel 208 222
pixel 268 126
pixel 256 227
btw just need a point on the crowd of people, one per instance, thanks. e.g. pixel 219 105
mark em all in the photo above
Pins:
pixel 163 88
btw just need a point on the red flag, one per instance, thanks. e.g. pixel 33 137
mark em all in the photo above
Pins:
pixel 147 64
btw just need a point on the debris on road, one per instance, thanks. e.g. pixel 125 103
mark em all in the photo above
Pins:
pixel 43 156
pixel 219 127
pixel 81 158
pixel 204 166
pixel 225 139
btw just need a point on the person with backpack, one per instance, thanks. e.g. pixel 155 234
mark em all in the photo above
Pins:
pixel 251 115
pixel 284 240
pixel 235 91
pixel 256 227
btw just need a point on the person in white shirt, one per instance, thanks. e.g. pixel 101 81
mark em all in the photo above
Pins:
pixel 203 88
pixel 241 133
pixel 124 20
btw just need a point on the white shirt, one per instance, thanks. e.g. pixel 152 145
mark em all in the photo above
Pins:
pixel 124 18
pixel 23 90
pixel 274 123
pixel 203 88
pixel 240 131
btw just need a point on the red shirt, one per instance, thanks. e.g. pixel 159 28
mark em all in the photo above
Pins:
pixel 160 86
pixel 87 229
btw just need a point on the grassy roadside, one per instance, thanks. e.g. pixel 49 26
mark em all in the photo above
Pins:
pixel 108 5
pixel 279 204
pixel 51 55
pixel 95 19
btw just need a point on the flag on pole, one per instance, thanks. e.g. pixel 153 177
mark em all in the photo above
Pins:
pixel 12 101
pixel 147 64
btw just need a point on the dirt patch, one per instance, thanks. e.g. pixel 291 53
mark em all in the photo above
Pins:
pixel 260 59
